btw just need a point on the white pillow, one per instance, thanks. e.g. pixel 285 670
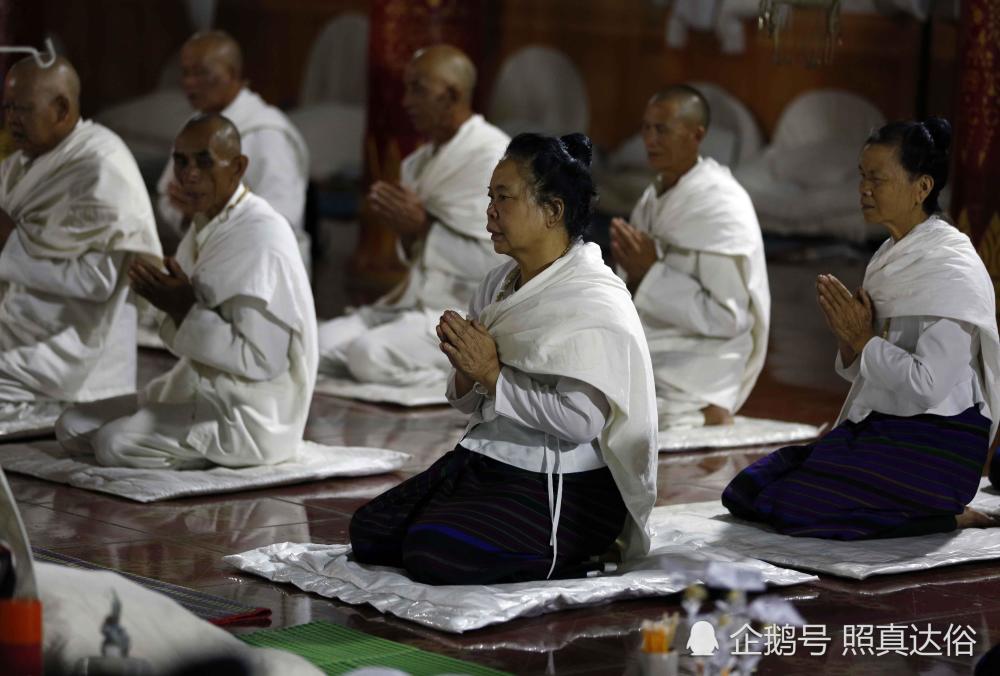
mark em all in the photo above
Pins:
pixel 816 165
pixel 75 603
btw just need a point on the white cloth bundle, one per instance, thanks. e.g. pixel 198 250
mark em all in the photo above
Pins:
pixel 935 271
pixel 576 319
pixel 708 211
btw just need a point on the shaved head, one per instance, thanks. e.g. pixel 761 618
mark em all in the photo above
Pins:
pixel 691 104
pixel 451 66
pixel 41 105
pixel 224 137
pixel 211 70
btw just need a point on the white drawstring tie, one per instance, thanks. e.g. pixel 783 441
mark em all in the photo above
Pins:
pixel 555 502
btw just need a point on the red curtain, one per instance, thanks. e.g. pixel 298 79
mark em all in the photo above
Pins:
pixel 976 191
pixel 398 29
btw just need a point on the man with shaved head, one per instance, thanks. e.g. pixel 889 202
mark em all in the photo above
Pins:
pixel 693 258
pixel 212 79
pixel 73 214
pixel 438 211
pixel 238 313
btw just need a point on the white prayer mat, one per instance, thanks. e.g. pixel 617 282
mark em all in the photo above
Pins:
pixel 18 421
pixel 49 460
pixel 348 388
pixel 327 571
pixel 149 337
pixel 708 525
pixel 743 432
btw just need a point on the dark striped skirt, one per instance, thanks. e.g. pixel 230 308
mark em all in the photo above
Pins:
pixel 469 519
pixel 886 476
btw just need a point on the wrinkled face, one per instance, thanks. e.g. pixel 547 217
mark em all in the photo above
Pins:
pixel 514 219
pixel 31 117
pixel 888 193
pixel 671 142
pixel 425 97
pixel 208 82
pixel 206 179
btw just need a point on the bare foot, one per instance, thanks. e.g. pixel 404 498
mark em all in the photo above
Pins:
pixel 971 518
pixel 716 415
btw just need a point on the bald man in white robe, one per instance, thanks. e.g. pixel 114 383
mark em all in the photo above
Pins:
pixel 438 211
pixel 239 315
pixel 74 212
pixel 694 259
pixel 212 79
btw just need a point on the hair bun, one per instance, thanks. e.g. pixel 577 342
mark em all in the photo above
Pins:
pixel 579 147
pixel 940 131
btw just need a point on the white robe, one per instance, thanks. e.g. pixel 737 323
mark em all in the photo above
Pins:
pixel 218 404
pixel 278 169
pixel 576 319
pixel 933 272
pixel 705 304
pixel 67 332
pixel 393 342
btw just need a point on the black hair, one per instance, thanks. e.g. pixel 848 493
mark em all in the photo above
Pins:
pixel 560 168
pixel 923 149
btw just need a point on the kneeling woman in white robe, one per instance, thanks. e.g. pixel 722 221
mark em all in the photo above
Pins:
pixel 239 315
pixel 559 457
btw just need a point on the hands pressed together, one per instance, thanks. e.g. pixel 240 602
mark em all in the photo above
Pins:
pixel 170 291
pixel 633 249
pixel 399 208
pixel 471 350
pixel 848 315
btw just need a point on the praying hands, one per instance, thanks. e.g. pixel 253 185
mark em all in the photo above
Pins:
pixel 849 316
pixel 471 350
pixel 633 249
pixel 171 292
pixel 399 208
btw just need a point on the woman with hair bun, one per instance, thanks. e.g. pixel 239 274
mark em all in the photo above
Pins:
pixel 919 343
pixel 559 457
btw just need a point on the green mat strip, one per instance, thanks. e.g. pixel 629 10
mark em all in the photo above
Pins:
pixel 335 649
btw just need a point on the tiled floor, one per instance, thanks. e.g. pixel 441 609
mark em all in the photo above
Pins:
pixel 182 541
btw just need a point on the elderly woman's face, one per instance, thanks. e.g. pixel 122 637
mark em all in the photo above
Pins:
pixel 515 221
pixel 888 194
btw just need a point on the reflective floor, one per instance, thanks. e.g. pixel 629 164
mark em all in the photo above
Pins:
pixel 182 541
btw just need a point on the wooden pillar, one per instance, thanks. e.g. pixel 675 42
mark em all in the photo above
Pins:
pixel 398 29
pixel 975 197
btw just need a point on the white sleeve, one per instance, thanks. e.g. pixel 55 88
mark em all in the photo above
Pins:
pixel 848 373
pixel 168 213
pixel 928 374
pixel 274 173
pixel 253 346
pixel 92 276
pixel 466 404
pixel 716 303
pixel 571 409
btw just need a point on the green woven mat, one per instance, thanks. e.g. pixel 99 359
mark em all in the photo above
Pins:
pixel 335 649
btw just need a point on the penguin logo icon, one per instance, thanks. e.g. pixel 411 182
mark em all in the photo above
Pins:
pixel 702 641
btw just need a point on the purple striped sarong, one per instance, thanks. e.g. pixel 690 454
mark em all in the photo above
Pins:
pixel 470 519
pixel 886 476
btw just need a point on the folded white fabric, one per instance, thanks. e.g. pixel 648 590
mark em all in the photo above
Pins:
pixel 163 633
pixel 48 460
pixel 743 432
pixel 21 420
pixel 327 571
pixel 149 337
pixel 708 525
pixel 348 388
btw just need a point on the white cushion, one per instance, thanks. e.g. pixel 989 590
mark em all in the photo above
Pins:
pixel 816 165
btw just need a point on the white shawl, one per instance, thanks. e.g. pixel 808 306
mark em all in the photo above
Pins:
pixel 250 113
pixel 86 194
pixel 452 182
pixel 247 251
pixel 709 211
pixel 576 319
pixel 935 271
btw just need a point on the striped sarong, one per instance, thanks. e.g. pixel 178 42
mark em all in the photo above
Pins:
pixel 470 519
pixel 886 476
